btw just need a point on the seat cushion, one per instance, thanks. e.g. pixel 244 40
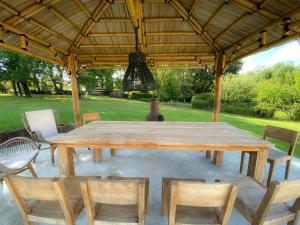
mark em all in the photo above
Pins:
pixel 250 196
pixel 20 160
pixel 52 138
pixel 196 215
pixel 278 156
pixel 111 214
pixel 42 121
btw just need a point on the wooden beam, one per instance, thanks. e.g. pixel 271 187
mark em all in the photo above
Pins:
pixel 281 41
pixel 31 37
pixel 163 19
pixel 89 24
pixel 193 6
pixel 215 14
pixel 151 68
pixel 115 20
pixel 72 65
pixel 123 34
pixel 219 65
pixel 251 7
pixel 29 11
pixel 148 45
pixel 83 8
pixel 176 44
pixel 187 33
pixel 9 8
pixel 63 18
pixel 265 27
pixel 156 61
pixel 263 38
pixel 195 24
pixel 23 42
pixel 31 54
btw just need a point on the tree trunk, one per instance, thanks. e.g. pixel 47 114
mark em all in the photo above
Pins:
pixel 20 89
pixel 61 79
pixel 14 88
pixel 26 89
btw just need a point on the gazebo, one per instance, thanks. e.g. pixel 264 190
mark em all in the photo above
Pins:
pixel 174 34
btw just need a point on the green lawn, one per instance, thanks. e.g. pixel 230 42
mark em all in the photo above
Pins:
pixel 122 109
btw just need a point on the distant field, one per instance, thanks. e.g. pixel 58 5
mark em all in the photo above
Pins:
pixel 122 109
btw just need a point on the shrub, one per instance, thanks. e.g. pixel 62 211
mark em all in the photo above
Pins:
pixel 140 96
pixel 202 101
pixel 265 110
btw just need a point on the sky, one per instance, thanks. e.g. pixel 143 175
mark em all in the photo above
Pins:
pixel 289 52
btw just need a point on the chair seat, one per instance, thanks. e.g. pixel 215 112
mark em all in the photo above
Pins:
pixel 113 214
pixel 249 198
pixel 196 215
pixel 51 138
pixel 278 156
pixel 19 161
pixel 51 211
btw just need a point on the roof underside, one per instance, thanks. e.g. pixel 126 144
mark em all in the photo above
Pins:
pixel 173 34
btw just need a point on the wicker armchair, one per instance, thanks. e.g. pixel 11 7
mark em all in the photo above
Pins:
pixel 16 155
pixel 43 127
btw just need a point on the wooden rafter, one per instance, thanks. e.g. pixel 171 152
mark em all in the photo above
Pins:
pixel 163 19
pixel 89 24
pixel 193 6
pixel 195 24
pixel 9 8
pixel 83 8
pixel 63 18
pixel 265 27
pixel 31 37
pixel 126 34
pixel 31 54
pixel 215 14
pixel 148 45
pixel 29 11
pixel 189 54
pixel 251 7
pixel 160 67
pixel 136 14
pixel 36 23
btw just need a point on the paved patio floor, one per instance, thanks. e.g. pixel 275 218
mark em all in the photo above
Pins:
pixel 152 164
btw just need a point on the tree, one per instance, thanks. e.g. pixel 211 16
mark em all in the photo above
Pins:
pixel 234 67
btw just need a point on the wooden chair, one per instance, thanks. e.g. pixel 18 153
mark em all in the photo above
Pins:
pixel 43 127
pixel 114 201
pixel 201 203
pixel 276 156
pixel 94 116
pixel 16 155
pixel 165 191
pixel 261 206
pixel 47 200
pixel 144 179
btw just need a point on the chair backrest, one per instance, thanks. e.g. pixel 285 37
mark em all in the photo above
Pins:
pixel 279 192
pixel 88 117
pixel 200 194
pixel 113 192
pixel 42 121
pixel 282 134
pixel 38 189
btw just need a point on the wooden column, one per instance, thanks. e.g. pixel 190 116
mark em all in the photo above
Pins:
pixel 219 66
pixel 72 67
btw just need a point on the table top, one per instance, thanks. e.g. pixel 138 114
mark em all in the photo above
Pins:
pixel 162 135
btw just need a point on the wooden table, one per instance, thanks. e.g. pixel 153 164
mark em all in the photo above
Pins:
pixel 163 135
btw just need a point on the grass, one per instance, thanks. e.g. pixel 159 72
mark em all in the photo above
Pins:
pixel 122 109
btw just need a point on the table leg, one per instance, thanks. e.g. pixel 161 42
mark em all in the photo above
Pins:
pixel 218 158
pixel 66 160
pixel 258 163
pixel 208 154
pixel 97 155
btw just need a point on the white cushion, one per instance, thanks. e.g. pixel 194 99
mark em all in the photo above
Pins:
pixel 16 162
pixel 52 138
pixel 42 121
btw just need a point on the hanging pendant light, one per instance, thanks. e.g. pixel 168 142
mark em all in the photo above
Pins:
pixel 138 76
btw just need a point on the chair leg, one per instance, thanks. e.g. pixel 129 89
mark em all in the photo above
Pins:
pixel 287 169
pixel 52 149
pixel 271 172
pixel 208 154
pixel 113 151
pixel 32 171
pixel 242 162
pixel 163 199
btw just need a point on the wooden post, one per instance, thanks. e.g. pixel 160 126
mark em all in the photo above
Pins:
pixel 72 67
pixel 220 64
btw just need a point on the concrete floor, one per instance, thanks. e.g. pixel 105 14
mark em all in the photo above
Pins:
pixel 152 164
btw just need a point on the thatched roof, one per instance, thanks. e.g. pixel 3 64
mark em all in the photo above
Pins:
pixel 177 33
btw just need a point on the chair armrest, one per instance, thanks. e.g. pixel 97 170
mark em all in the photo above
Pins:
pixel 65 128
